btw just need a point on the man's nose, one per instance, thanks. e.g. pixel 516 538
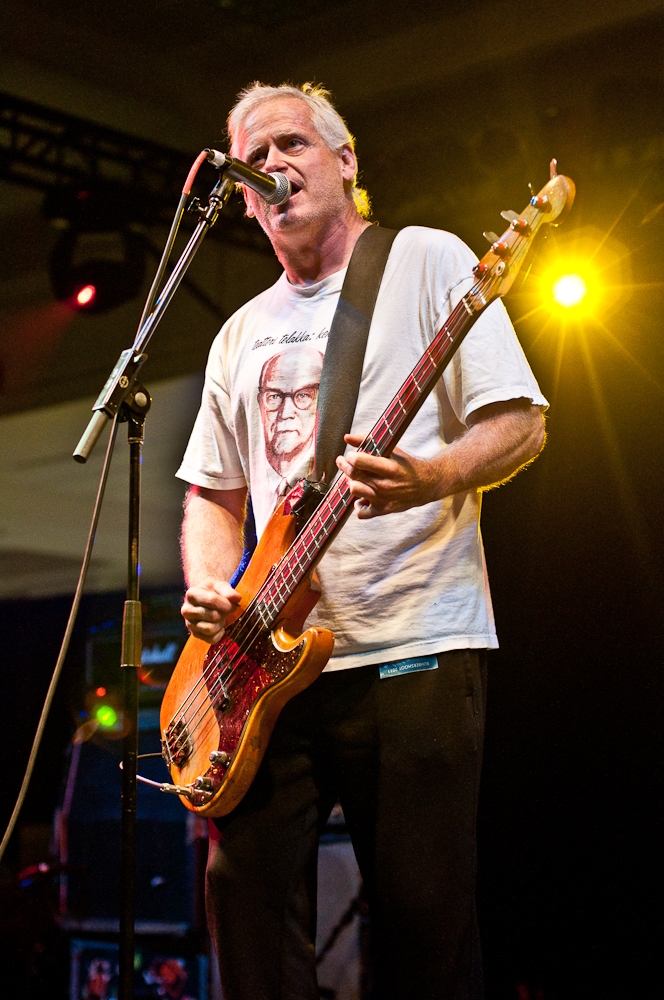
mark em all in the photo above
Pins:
pixel 274 160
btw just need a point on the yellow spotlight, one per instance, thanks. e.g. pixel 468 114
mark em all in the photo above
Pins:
pixel 573 287
pixel 569 290
pixel 582 276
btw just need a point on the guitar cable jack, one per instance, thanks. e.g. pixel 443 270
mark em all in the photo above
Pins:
pixel 163 786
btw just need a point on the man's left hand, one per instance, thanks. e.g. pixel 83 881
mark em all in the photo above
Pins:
pixel 387 485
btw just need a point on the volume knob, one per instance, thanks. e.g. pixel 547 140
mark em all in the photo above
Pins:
pixel 219 757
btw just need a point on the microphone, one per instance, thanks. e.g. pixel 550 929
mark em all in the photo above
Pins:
pixel 275 188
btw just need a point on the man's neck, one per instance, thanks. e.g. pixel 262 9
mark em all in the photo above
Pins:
pixel 308 257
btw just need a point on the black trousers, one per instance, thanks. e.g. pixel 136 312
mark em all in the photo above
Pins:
pixel 403 757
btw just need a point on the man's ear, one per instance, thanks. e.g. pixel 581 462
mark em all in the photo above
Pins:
pixel 249 211
pixel 348 162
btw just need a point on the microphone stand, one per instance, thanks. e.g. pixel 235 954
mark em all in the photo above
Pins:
pixel 124 394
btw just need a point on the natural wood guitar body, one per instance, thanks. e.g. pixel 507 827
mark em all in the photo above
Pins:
pixel 215 731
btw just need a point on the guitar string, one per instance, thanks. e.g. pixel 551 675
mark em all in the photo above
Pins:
pixel 280 581
pixel 388 417
pixel 239 636
pixel 228 674
pixel 378 437
pixel 381 435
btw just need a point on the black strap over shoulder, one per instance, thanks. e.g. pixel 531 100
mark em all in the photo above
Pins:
pixel 347 341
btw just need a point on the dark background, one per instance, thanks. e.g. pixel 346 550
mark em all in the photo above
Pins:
pixel 569 818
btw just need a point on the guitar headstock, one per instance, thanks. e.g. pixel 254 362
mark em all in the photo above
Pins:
pixel 499 267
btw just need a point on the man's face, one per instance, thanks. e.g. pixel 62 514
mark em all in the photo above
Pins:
pixel 287 397
pixel 279 136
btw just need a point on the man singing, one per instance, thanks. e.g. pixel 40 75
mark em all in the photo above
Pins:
pixel 393 728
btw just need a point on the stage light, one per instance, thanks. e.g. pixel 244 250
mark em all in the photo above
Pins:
pixel 98 261
pixel 95 271
pixel 106 716
pixel 569 290
pixel 103 712
pixel 572 286
pixel 581 277
pixel 86 295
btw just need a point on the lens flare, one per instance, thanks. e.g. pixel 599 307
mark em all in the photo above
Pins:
pixel 569 290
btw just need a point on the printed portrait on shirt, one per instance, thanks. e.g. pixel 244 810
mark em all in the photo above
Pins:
pixel 287 397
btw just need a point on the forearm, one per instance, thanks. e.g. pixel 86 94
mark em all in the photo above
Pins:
pixel 211 536
pixel 501 439
pixel 491 450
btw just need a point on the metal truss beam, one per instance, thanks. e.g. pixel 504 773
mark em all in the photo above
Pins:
pixel 50 151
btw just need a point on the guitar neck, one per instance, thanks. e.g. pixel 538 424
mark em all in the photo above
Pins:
pixel 337 503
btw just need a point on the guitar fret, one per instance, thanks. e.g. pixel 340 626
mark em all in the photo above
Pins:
pixel 263 614
pixel 372 447
pixel 384 432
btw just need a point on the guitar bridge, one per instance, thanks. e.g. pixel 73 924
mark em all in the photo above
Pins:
pixel 176 743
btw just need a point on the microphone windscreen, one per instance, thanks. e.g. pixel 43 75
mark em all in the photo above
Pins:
pixel 282 191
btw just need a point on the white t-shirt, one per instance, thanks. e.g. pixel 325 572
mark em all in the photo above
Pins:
pixel 402 585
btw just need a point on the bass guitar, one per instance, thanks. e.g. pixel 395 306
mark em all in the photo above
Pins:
pixel 222 701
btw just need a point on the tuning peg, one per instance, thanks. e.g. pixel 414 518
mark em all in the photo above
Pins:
pixel 491 237
pixel 518 224
pixel 553 169
pixel 541 202
pixel 531 189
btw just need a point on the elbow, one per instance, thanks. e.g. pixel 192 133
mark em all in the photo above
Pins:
pixel 537 437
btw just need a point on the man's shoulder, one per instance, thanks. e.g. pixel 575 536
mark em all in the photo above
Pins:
pixel 432 259
pixel 424 239
pixel 247 315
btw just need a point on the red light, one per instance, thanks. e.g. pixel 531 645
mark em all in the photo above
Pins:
pixel 86 295
pixel 100 692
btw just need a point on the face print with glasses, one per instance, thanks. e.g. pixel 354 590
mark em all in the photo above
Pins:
pixel 287 396
pixel 304 398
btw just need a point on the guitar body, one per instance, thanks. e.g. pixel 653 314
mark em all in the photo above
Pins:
pixel 223 701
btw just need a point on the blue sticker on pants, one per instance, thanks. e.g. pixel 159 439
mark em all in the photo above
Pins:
pixel 408 666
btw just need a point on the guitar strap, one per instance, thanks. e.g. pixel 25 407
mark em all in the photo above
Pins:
pixel 346 346
pixel 341 375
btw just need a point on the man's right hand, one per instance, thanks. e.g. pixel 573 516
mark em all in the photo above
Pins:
pixel 206 607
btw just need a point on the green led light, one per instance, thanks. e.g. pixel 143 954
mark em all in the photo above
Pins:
pixel 106 716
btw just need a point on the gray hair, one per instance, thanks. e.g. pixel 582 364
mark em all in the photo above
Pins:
pixel 326 120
